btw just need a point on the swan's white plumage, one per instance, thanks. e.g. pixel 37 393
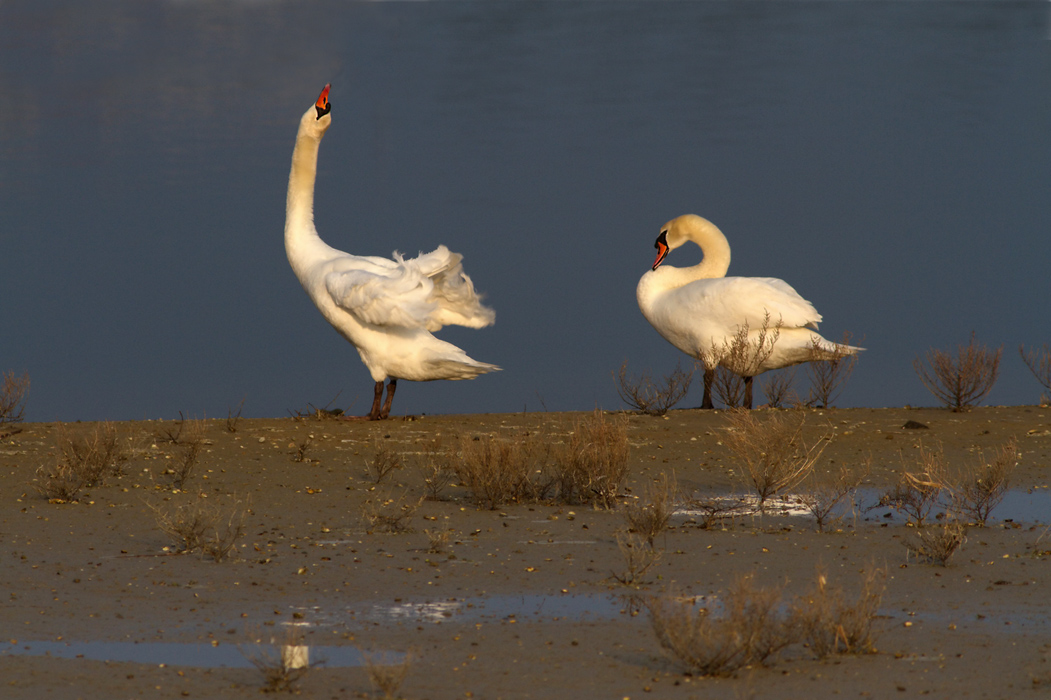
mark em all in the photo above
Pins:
pixel 387 308
pixel 700 311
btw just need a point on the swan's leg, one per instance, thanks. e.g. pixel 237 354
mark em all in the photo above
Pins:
pixel 748 392
pixel 391 386
pixel 709 377
pixel 374 414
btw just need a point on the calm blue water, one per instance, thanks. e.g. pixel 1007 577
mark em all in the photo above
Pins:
pixel 890 160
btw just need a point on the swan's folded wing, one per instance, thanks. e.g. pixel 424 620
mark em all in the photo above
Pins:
pixel 730 302
pixel 394 297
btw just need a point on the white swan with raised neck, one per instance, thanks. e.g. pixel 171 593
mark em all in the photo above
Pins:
pixel 387 308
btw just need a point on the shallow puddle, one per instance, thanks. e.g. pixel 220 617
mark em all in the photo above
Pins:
pixel 184 654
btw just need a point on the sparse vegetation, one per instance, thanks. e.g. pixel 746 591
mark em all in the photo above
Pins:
pixel 300 449
pixel 283 660
pixel 200 525
pixel 777 387
pixel 389 513
pixel 232 419
pixel 828 624
pixel 649 518
pixel 828 375
pixel 385 672
pixel 748 629
pixel 436 467
pixel 937 544
pixel 384 461
pixel 505 470
pixel 438 540
pixel 639 556
pixel 917 493
pixel 1038 360
pixel 772 450
pixel 740 359
pixel 592 463
pixel 823 498
pixel 962 381
pixel 87 457
pixel 13 393
pixel 977 492
pixel 655 398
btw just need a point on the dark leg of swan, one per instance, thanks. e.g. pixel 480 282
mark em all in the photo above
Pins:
pixel 709 377
pixel 391 386
pixel 748 392
pixel 374 414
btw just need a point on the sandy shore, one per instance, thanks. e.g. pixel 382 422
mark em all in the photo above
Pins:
pixel 522 604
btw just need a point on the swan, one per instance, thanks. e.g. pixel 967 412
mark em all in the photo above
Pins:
pixel 386 308
pixel 701 311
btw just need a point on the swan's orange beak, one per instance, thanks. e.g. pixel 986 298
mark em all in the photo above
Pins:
pixel 322 105
pixel 662 250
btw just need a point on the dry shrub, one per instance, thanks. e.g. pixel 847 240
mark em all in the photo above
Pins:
pixel 960 382
pixel 828 375
pixel 87 457
pixel 649 518
pixel 716 509
pixel 639 556
pixel 200 525
pixel 13 393
pixel 917 493
pixel 384 461
pixel 777 387
pixel 977 492
pixel 740 359
pixel 436 467
pixel 822 498
pixel 59 483
pixel 829 624
pixel 504 470
pixel 184 462
pixel 1038 360
pixel 772 450
pixel 232 419
pixel 385 673
pixel 592 463
pixel 937 544
pixel 282 660
pixel 438 540
pixel 388 513
pixel 300 449
pixel 655 398
pixel 748 630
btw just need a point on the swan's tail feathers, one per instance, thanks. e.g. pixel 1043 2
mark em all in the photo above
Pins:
pixel 822 349
pixel 458 368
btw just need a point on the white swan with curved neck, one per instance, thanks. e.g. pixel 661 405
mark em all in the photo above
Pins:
pixel 701 311
pixel 386 308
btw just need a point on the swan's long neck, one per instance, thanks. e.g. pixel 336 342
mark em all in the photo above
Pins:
pixel 713 244
pixel 300 234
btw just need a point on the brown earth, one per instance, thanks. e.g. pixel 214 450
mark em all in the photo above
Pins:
pixel 523 603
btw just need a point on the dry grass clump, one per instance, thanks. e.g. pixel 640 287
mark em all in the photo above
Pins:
pixel 1038 360
pixel 749 629
pixel 777 387
pixel 739 360
pixel 384 461
pixel 772 450
pixel 386 673
pixel 13 393
pixel 960 382
pixel 389 513
pixel 823 498
pixel 977 492
pixel 937 544
pixel 650 517
pixel 714 510
pixel 592 463
pixel 283 660
pixel 88 456
pixel 639 556
pixel 505 470
pixel 655 398
pixel 828 375
pixel 438 540
pixel 828 624
pixel 436 467
pixel 200 525
pixel 918 492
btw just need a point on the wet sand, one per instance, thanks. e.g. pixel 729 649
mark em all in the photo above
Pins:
pixel 523 603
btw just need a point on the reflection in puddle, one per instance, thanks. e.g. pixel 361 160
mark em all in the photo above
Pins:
pixel 1018 505
pixel 523 608
pixel 181 654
